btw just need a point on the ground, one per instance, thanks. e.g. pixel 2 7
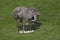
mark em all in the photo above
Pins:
pixel 49 18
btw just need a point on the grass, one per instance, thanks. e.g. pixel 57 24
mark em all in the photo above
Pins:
pixel 49 17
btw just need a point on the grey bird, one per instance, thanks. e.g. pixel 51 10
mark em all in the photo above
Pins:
pixel 23 15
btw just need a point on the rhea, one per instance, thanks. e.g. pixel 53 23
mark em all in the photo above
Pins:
pixel 25 16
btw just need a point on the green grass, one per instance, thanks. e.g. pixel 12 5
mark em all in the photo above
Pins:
pixel 50 19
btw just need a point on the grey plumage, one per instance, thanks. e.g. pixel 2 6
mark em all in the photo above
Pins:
pixel 26 13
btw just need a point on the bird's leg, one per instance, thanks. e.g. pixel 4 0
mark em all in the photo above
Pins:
pixel 31 30
pixel 19 23
pixel 30 23
pixel 23 25
pixel 26 22
pixel 23 28
pixel 30 26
